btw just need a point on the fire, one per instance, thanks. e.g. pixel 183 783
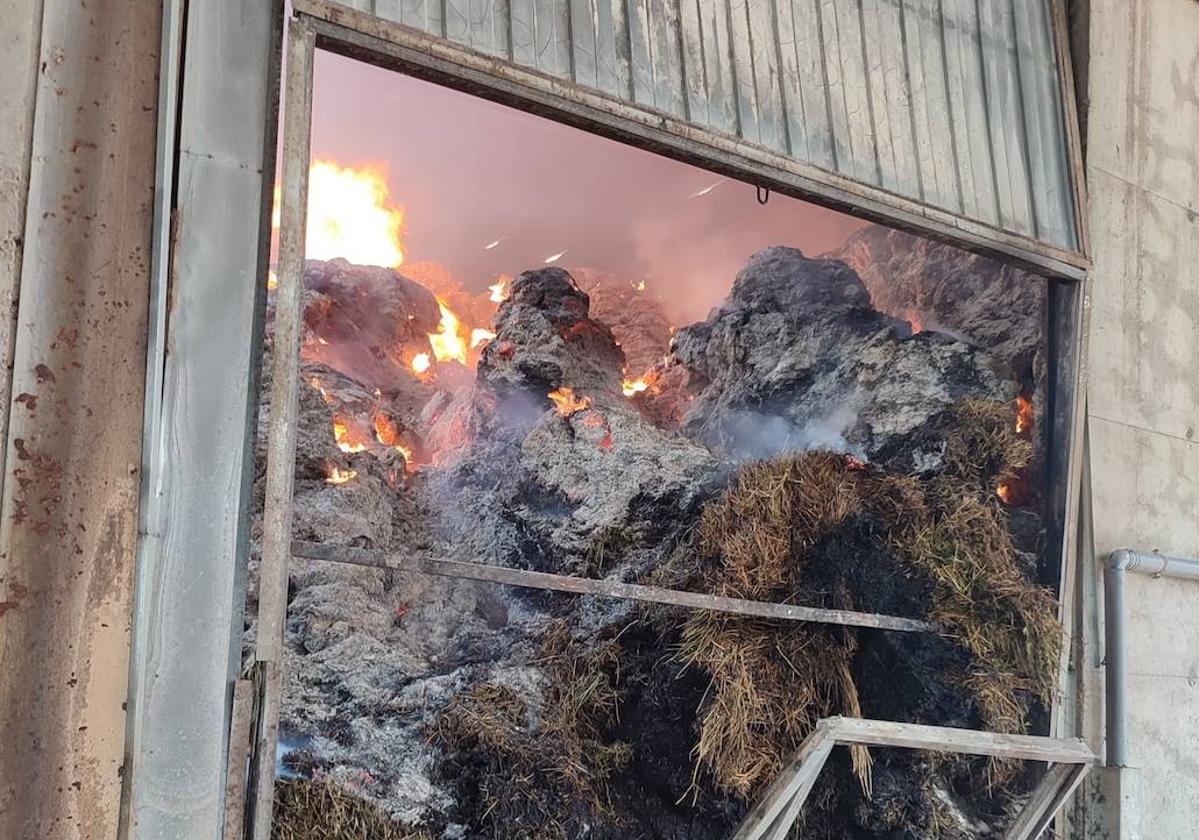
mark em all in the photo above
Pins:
pixel 388 434
pixel 640 287
pixel 272 280
pixel 478 335
pixel 567 403
pixel 1023 415
pixel 338 476
pixel 1004 492
pixel 913 319
pixel 449 342
pixel 316 383
pixel 499 290
pixel 341 434
pixel 350 215
pixel 421 362
pixel 634 386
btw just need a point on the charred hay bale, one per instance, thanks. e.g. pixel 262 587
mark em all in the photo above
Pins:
pixel 545 340
pixel 821 529
pixel 938 287
pixel 796 358
pixel 524 771
pixel 324 810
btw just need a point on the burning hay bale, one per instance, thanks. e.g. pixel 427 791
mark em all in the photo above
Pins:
pixel 634 313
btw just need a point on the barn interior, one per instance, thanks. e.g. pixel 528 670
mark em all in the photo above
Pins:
pixel 644 373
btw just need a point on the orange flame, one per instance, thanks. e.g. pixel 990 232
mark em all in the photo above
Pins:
pixel 1024 415
pixel 350 215
pixel 567 403
pixel 337 476
pixel 388 434
pixel 421 362
pixel 1004 492
pixel 341 434
pixel 449 342
pixel 499 290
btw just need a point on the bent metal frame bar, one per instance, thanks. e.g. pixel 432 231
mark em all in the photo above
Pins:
pixel 254 728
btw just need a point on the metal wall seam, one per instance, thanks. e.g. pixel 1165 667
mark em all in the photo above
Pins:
pixel 187 623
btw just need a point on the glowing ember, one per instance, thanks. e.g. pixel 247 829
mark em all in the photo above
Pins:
pixel 479 335
pixel 449 342
pixel 640 286
pixel 567 403
pixel 553 258
pixel 272 280
pixel 388 434
pixel 421 362
pixel 316 383
pixel 341 434
pixel 1023 415
pixel 634 386
pixel 1004 492
pixel 338 476
pixel 499 290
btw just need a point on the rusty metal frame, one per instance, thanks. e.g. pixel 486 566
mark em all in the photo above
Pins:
pixel 337 28
pixel 773 817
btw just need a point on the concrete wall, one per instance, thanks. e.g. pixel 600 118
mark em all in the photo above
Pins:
pixel 1143 179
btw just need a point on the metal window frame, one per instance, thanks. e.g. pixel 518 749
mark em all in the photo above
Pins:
pixel 361 36
pixel 1069 758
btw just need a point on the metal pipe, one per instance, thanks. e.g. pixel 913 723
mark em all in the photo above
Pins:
pixel 1119 563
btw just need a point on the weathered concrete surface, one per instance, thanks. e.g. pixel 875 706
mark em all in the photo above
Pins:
pixel 68 515
pixel 1143 178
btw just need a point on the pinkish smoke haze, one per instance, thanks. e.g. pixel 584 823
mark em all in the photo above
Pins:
pixel 471 174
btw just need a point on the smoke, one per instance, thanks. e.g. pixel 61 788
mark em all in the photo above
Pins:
pixel 488 190
pixel 749 435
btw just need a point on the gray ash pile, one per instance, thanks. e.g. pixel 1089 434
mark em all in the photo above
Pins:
pixel 797 446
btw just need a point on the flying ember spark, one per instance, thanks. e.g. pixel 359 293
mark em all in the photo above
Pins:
pixel 704 191
pixel 494 244
pixel 555 257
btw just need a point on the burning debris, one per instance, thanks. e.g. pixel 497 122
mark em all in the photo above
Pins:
pixel 797 446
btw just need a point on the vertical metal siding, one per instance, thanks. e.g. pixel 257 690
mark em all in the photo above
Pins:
pixel 954 103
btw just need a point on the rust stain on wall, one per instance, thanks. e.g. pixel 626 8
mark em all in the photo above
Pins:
pixel 68 515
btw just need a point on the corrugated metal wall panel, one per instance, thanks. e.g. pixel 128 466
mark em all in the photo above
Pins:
pixel 954 103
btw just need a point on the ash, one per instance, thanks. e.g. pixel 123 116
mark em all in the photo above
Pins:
pixel 464 709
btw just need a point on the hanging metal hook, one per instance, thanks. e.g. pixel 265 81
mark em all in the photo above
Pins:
pixel 763 194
